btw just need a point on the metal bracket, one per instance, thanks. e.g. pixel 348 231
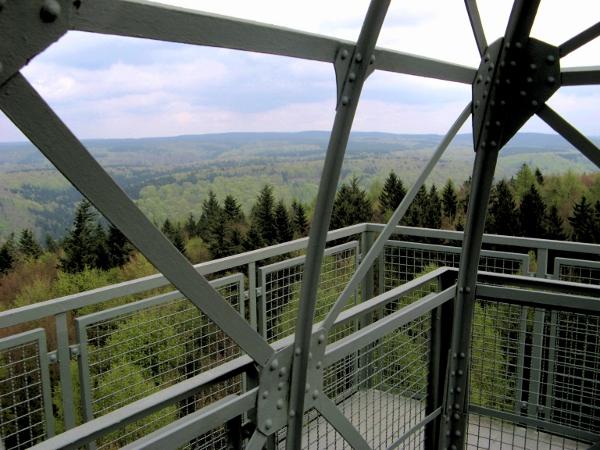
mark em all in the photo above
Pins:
pixel 346 73
pixel 272 406
pixel 28 28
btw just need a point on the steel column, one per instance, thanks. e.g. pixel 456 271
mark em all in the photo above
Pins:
pixel 355 77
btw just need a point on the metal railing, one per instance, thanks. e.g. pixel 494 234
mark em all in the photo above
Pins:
pixel 534 366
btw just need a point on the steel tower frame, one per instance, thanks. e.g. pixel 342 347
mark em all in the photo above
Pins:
pixel 516 76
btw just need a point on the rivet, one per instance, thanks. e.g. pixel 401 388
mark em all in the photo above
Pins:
pixel 358 58
pixel 550 59
pixel 265 394
pixel 309 356
pixel 487 124
pixel 453 447
pixel 462 355
pixel 372 59
pixel 279 404
pixel 507 45
pixel 453 373
pixel 274 364
pixel 448 433
pixel 352 76
pixel 307 388
pixel 292 413
pixel 479 78
pixel 454 355
pixel 318 365
pixel 498 123
pixel 456 416
pixel 268 424
pixel 456 406
pixel 344 54
pixel 523 93
pixel 298 350
pixel 458 390
pixel 280 386
pixel 493 144
pixel 457 433
pixel 529 80
pixel 497 81
pixel 551 80
pixel 502 63
pixel 513 63
pixel 345 100
pixel 518 45
pixel 315 394
pixel 50 11
pixel 507 81
pixel 488 80
pixel 534 102
pixel 460 372
pixel 282 371
pixel 468 289
pixel 487 57
pixel 533 66
pixel 502 103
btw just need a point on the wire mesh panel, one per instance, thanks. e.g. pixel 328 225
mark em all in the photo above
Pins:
pixel 25 404
pixel 404 261
pixel 135 350
pixel 535 378
pixel 577 270
pixel 281 283
pixel 382 389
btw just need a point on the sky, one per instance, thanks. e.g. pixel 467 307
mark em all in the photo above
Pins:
pixel 106 86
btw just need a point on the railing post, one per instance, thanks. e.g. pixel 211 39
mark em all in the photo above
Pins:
pixel 64 368
pixel 368 288
pixel 252 295
pixel 441 337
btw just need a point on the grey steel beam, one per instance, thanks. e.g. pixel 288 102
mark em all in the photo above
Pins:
pixel 570 133
pixel 177 434
pixel 136 18
pixel 30 113
pixel 580 39
pixel 580 76
pixel 492 127
pixel 353 83
pixel 476 25
pixel 368 260
pixel 334 416
pixel 257 441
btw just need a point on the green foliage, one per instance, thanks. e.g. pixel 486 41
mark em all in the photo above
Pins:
pixel 416 216
pixel 174 234
pixel 449 200
pixel 554 225
pixel 118 247
pixel 263 215
pixel 532 214
pixel 232 210
pixel 502 215
pixel 392 193
pixel 211 213
pixel 299 220
pixel 433 216
pixel 283 225
pixel 583 222
pixel 351 206
pixel 28 246
pixel 7 256
pixel 81 243
pixel 523 180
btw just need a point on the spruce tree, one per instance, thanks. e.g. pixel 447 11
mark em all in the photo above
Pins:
pixel 211 212
pixel 191 226
pixel 263 215
pixel 253 239
pixel 80 242
pixel 532 214
pixel 582 221
pixel 351 206
pixel 51 244
pixel 118 247
pixel 28 246
pixel 392 193
pixel 285 231
pixel 7 257
pixel 502 215
pixel 554 225
pixel 217 242
pixel 174 234
pixel 102 258
pixel 433 214
pixel 232 210
pixel 299 220
pixel 417 211
pixel 449 200
pixel 538 176
pixel 523 179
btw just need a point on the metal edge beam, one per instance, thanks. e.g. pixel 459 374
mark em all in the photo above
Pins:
pixel 344 117
pixel 180 432
pixel 476 25
pixel 257 441
pixel 30 113
pixel 78 436
pixel 580 76
pixel 377 247
pixel 136 18
pixel 340 422
pixel 570 133
pixel 580 39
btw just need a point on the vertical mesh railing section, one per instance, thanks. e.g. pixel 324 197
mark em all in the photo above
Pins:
pixel 24 384
pixel 132 351
pixel 535 378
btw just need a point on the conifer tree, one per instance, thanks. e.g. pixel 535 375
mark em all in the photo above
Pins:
pixel 417 211
pixel 392 193
pixel 51 244
pixel 283 225
pixel 538 176
pixel 433 214
pixel 351 206
pixel 174 234
pixel 119 248
pixel 7 255
pixel 80 243
pixel 232 210
pixel 263 215
pixel 523 179
pixel 217 242
pixel 299 220
pixel 554 225
pixel 502 215
pixel 191 226
pixel 28 246
pixel 102 258
pixel 532 214
pixel 582 221
pixel 211 212
pixel 253 239
pixel 449 200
